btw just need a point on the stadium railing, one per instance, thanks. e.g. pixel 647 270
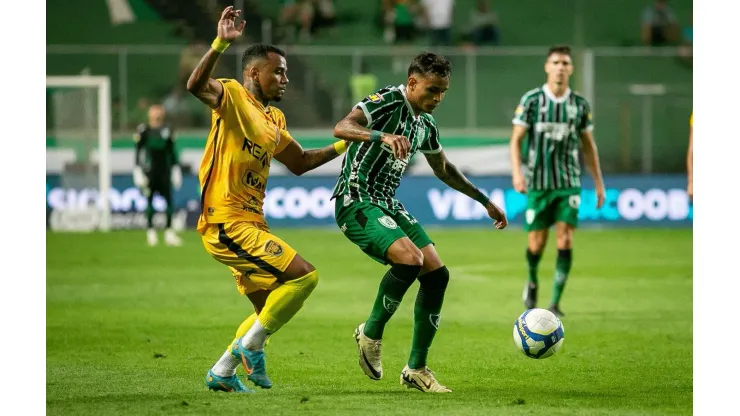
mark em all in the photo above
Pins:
pixel 641 97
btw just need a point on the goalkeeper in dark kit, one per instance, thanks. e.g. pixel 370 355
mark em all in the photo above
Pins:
pixel 157 170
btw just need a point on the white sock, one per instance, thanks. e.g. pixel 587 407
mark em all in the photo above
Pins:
pixel 256 337
pixel 226 365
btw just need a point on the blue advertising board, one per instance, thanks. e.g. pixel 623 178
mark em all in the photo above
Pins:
pixel 631 200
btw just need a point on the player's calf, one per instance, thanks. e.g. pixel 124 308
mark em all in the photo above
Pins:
pixel 427 313
pixel 368 335
pixel 563 264
pixel 537 241
pixel 280 307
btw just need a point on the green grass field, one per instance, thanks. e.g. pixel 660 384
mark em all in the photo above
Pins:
pixel 133 330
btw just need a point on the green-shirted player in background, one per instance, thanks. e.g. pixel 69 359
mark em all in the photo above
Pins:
pixel 556 122
pixel 386 129
pixel 157 170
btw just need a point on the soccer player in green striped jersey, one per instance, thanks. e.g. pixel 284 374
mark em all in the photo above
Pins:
pixel 556 122
pixel 385 130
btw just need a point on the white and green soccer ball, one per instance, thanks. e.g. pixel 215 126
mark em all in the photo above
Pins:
pixel 538 333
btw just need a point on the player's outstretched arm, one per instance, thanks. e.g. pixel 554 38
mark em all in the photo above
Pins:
pixel 591 157
pixel 351 128
pixel 515 145
pixel 299 161
pixel 200 83
pixel 451 175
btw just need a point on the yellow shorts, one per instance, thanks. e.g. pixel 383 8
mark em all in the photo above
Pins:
pixel 254 255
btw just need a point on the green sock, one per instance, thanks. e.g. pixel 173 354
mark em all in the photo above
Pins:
pixel 533 260
pixel 149 213
pixel 170 207
pixel 427 310
pixel 169 216
pixel 394 285
pixel 562 268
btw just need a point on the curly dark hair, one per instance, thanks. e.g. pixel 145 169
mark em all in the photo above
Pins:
pixel 430 63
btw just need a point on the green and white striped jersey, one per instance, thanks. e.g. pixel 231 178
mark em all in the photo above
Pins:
pixel 370 172
pixel 554 127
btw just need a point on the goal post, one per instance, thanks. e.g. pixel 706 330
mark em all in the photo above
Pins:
pixel 103 121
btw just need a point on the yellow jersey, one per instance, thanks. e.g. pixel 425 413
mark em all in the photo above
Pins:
pixel 244 137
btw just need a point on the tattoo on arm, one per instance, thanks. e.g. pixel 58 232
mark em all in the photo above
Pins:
pixel 317 157
pixel 352 127
pixel 451 175
pixel 300 161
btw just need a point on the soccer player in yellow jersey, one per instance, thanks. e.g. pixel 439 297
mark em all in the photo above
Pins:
pixel 246 133
pixel 690 159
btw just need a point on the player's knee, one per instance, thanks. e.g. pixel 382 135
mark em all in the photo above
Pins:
pixel 537 242
pixel 412 257
pixel 537 247
pixel 417 257
pixel 404 251
pixel 305 268
pixel 565 242
pixel 310 274
pixel 298 268
pixel 312 280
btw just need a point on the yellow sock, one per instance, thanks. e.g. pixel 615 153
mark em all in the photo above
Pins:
pixel 285 301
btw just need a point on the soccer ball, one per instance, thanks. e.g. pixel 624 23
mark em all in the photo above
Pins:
pixel 538 333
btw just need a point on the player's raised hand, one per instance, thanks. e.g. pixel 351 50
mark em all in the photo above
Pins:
pixel 399 144
pixel 600 196
pixel 520 185
pixel 497 215
pixel 226 29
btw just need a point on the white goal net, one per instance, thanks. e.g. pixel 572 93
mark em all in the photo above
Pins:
pixel 78 146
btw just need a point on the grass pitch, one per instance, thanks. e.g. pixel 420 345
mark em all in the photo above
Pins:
pixel 133 330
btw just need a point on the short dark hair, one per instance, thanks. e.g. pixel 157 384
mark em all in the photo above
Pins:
pixel 430 63
pixel 259 51
pixel 562 49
